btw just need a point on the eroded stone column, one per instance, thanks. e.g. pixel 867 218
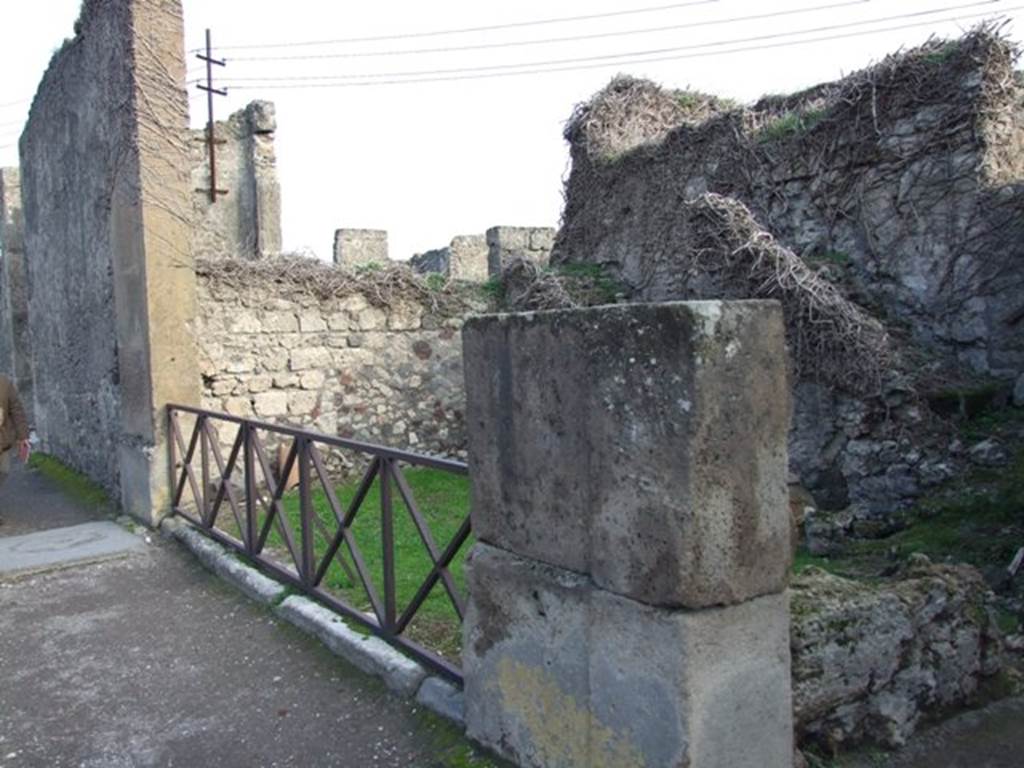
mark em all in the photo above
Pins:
pixel 153 268
pixel 15 355
pixel 627 594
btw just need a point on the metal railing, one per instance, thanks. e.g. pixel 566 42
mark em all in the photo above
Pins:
pixel 246 485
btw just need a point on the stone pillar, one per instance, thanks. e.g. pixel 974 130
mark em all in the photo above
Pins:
pixel 506 243
pixel 245 223
pixel 15 355
pixel 153 270
pixel 262 118
pixel 360 247
pixel 627 591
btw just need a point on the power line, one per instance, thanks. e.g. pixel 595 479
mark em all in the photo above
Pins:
pixel 550 40
pixel 608 56
pixel 467 30
pixel 705 54
pixel 17 103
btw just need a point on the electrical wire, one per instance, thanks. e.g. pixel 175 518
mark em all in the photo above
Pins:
pixel 551 40
pixel 467 30
pixel 705 54
pixel 604 57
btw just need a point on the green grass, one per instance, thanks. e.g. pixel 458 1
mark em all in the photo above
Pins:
pixel 943 54
pixel 978 519
pixel 838 258
pixel 436 282
pixel 493 289
pixel 71 482
pixel 791 124
pixel 443 500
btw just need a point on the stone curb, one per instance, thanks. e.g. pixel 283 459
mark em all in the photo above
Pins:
pixel 216 558
pixel 370 654
pixel 444 699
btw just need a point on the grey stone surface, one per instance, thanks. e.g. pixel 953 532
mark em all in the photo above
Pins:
pixel 370 654
pixel 465 258
pixel 151 661
pixel 30 503
pixel 226 565
pixel 559 672
pixel 507 243
pixel 443 698
pixel 872 661
pixel 1018 392
pixel 15 347
pixel 942 256
pixel 360 247
pixel 340 365
pixel 106 201
pixel 246 222
pixel 62 546
pixel 608 442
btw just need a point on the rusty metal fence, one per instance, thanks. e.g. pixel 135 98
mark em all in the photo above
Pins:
pixel 245 489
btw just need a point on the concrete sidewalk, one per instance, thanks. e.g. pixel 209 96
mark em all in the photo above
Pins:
pixel 148 660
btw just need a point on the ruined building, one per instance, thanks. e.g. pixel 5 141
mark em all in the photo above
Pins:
pixel 886 212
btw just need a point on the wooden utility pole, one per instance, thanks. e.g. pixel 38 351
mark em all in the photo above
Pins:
pixel 211 138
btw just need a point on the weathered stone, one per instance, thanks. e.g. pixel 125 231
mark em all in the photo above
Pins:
pixel 15 342
pixel 311 322
pixel 630 422
pixel 106 200
pixel 280 322
pixel 506 243
pixel 1018 392
pixel 989 453
pixel 561 673
pixel 306 358
pixel 272 403
pixel 360 247
pixel 246 222
pixel 870 661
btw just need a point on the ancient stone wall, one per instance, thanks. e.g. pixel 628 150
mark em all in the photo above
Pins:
pixel 360 247
pixel 244 223
pixel 465 258
pixel 507 243
pixel 105 188
pixel 901 180
pixel 889 199
pixel 15 353
pixel 342 364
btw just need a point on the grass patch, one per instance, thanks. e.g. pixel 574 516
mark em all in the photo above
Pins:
pixel 835 258
pixel 589 284
pixel 791 124
pixel 493 289
pixel 74 484
pixel 977 520
pixel 443 500
pixel 943 54
pixel 802 560
pixel 436 282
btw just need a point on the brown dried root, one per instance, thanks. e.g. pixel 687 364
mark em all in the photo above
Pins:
pixel 382 285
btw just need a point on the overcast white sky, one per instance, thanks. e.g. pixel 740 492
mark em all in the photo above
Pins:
pixel 431 160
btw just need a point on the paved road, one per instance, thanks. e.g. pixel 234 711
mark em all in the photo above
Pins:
pixel 30 502
pixel 989 738
pixel 148 660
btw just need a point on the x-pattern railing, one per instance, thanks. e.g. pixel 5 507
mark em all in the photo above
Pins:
pixel 217 483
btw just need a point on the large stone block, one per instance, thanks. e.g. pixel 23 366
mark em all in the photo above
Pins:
pixel 644 445
pixel 559 673
pixel 360 247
